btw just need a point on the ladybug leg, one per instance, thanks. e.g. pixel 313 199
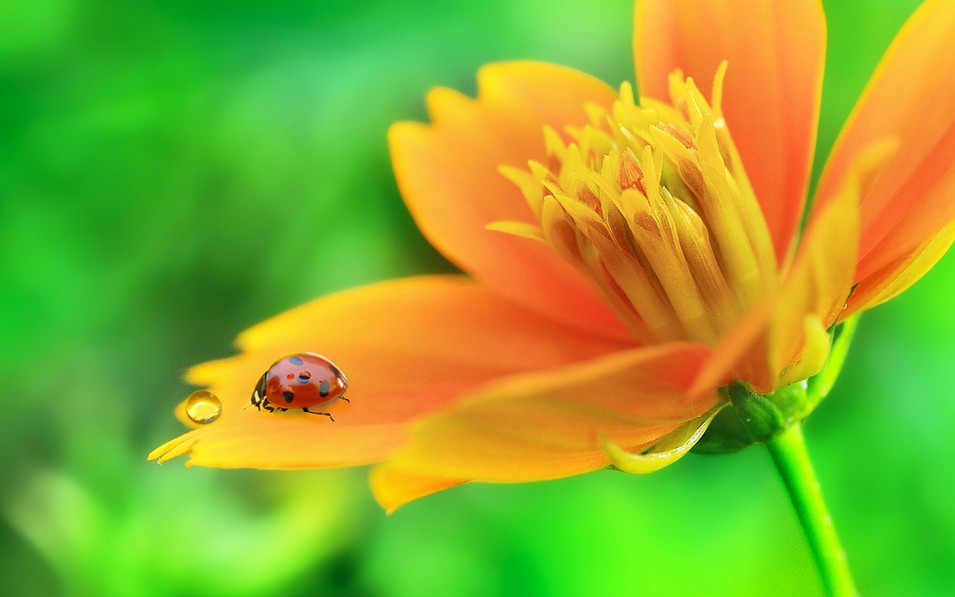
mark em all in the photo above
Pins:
pixel 345 399
pixel 312 412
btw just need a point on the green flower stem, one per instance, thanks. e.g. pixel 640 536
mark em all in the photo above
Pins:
pixel 792 462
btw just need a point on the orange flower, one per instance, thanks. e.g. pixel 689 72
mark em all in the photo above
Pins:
pixel 627 257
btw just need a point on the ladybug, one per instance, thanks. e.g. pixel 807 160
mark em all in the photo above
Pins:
pixel 300 381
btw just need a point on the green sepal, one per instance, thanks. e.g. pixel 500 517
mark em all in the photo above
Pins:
pixel 821 383
pixel 726 434
pixel 752 417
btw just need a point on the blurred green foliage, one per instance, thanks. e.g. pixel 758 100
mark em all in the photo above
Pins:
pixel 172 172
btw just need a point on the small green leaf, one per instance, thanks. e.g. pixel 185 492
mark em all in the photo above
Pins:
pixel 821 384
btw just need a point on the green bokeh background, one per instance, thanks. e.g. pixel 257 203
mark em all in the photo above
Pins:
pixel 172 172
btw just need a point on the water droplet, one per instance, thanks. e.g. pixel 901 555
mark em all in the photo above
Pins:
pixel 203 407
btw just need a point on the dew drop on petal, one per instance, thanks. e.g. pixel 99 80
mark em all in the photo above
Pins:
pixel 203 407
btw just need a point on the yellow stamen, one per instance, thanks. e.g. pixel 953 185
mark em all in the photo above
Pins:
pixel 650 201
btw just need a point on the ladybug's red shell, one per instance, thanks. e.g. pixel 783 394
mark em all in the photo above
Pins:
pixel 300 381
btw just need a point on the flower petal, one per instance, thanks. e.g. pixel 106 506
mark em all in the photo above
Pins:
pixel 911 97
pixel 815 291
pixel 395 487
pixel 448 173
pixel 741 353
pixel 895 277
pixel 782 339
pixel 409 347
pixel 776 52
pixel 549 424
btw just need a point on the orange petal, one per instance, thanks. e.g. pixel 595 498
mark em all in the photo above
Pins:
pixel 896 277
pixel 550 424
pixel 409 347
pixel 911 97
pixel 448 173
pixel 815 291
pixel 783 339
pixel 820 280
pixel 741 353
pixel 776 52
pixel 394 487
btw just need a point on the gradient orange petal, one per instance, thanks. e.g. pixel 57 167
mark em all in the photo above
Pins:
pixel 448 173
pixel 394 487
pixel 776 54
pixel 551 424
pixel 815 291
pixel 911 98
pixel 783 338
pixel 741 353
pixel 409 347
pixel 895 277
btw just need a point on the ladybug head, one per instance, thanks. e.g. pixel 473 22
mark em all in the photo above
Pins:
pixel 258 394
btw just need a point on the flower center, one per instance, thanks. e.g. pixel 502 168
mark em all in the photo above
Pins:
pixel 651 202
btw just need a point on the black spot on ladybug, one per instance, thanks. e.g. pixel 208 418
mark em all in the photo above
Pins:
pixel 288 395
pixel 324 388
pixel 304 377
pixel 296 360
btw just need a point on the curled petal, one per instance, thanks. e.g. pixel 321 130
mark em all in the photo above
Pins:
pixel 911 97
pixel 449 174
pixel 665 452
pixel 409 347
pixel 549 425
pixel 776 52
